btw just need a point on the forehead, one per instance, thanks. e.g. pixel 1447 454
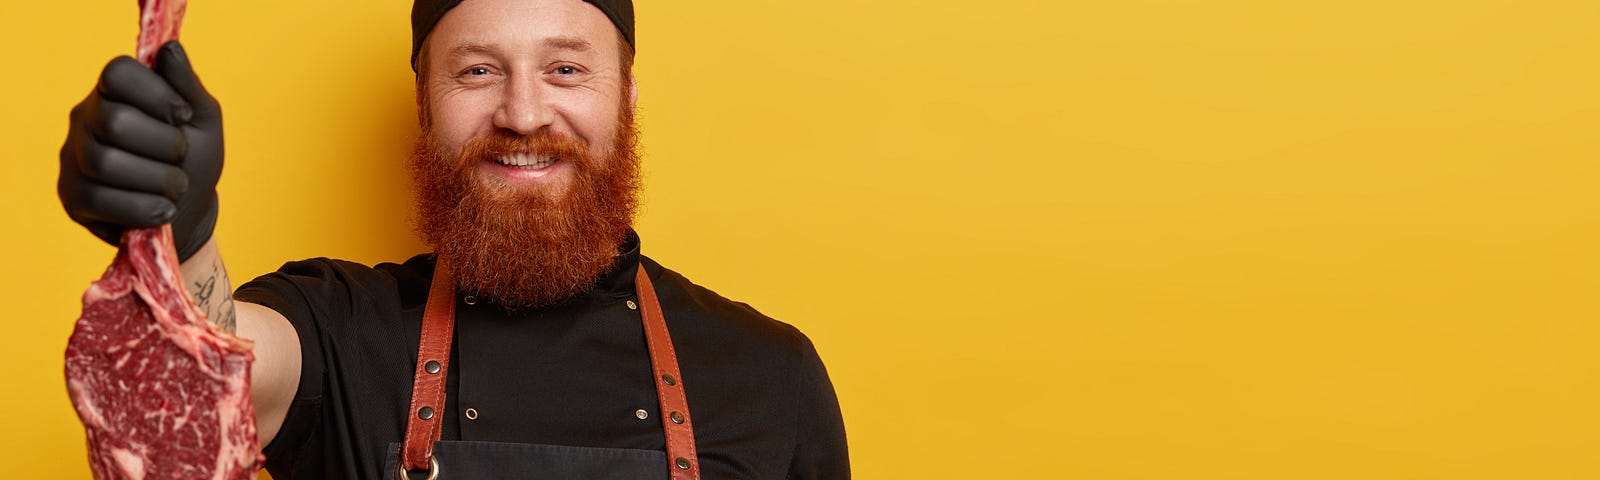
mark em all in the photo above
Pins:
pixel 523 25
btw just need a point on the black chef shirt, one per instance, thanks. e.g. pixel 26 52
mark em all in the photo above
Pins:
pixel 575 374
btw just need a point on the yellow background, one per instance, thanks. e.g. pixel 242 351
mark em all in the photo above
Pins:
pixel 1134 239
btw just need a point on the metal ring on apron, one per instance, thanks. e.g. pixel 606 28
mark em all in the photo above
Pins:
pixel 433 469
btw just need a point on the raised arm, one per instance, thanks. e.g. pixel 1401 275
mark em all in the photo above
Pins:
pixel 145 149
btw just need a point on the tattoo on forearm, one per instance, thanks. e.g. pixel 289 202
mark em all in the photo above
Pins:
pixel 214 296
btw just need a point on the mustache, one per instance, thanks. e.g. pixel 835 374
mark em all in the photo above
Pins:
pixel 542 144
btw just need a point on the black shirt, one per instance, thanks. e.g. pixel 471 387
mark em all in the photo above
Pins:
pixel 575 374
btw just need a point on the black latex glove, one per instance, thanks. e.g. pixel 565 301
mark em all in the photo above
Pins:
pixel 144 149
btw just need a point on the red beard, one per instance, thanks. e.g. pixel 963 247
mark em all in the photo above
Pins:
pixel 517 245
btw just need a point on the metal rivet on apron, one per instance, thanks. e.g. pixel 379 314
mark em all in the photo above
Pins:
pixel 432 366
pixel 471 300
pixel 669 379
pixel 632 306
pixel 472 414
pixel 677 418
pixel 683 463
pixel 425 413
pixel 641 414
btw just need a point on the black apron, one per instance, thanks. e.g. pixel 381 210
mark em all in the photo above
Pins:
pixel 422 451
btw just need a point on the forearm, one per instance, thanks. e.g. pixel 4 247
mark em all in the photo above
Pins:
pixel 207 279
pixel 275 376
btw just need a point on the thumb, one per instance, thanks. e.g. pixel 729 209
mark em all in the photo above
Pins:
pixel 172 62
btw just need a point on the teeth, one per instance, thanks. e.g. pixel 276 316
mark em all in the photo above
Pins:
pixel 524 160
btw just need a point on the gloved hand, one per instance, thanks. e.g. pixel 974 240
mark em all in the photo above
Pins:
pixel 144 149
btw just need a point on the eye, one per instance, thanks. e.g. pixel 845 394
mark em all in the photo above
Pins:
pixel 476 71
pixel 565 74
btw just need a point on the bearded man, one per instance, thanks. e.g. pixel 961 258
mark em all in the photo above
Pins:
pixel 535 341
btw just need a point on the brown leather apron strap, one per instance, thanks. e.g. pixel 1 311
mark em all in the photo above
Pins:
pixel 675 419
pixel 424 422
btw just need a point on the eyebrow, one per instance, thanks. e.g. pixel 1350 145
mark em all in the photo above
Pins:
pixel 568 43
pixel 470 49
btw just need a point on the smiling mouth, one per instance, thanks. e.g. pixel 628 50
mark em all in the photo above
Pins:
pixel 526 161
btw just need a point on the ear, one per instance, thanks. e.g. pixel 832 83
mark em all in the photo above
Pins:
pixel 422 107
pixel 633 93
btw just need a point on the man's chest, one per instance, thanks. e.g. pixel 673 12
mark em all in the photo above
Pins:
pixel 570 378
pixel 583 379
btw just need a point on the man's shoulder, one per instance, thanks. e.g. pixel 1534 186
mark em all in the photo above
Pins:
pixel 327 280
pixel 333 269
pixel 709 313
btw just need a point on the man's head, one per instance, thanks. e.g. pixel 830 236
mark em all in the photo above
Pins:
pixel 526 172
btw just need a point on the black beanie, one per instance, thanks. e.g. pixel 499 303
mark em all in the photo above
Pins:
pixel 426 13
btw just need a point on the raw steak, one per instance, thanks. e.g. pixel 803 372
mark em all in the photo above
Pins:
pixel 162 393
pixel 158 24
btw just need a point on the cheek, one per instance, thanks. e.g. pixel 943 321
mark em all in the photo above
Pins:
pixel 598 126
pixel 458 119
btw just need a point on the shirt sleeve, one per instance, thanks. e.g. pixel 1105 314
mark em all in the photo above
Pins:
pixel 820 448
pixel 304 292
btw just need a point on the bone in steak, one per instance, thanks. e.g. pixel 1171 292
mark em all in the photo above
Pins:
pixel 162 393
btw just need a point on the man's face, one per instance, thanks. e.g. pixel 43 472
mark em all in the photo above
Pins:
pixel 524 67
pixel 526 173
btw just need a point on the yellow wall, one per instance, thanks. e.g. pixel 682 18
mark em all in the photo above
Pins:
pixel 1135 239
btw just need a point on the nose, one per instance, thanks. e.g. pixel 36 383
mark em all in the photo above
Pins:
pixel 522 108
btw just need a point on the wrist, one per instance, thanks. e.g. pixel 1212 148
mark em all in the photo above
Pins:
pixel 207 280
pixel 198 234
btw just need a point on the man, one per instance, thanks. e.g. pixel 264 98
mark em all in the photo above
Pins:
pixel 541 323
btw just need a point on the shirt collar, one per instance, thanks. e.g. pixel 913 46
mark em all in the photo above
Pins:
pixel 617 282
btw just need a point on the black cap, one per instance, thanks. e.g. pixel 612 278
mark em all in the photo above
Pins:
pixel 426 13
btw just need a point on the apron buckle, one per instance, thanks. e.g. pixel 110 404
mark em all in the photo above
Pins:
pixel 433 470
